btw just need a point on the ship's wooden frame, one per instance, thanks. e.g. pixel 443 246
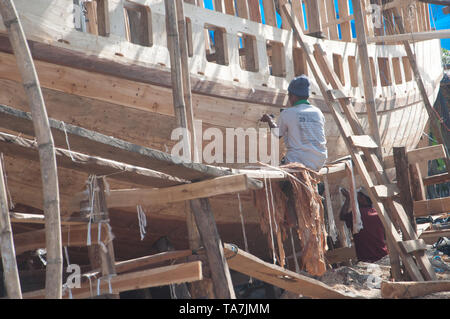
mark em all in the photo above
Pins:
pixel 111 75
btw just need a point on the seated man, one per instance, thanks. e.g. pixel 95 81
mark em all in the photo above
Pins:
pixel 369 242
pixel 302 126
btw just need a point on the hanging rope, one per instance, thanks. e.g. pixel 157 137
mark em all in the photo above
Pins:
pixel 91 186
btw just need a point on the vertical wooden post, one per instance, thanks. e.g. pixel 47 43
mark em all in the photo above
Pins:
pixel 253 10
pixel 346 31
pixel 403 182
pixel 417 187
pixel 313 16
pixel 53 282
pixel 366 75
pixel 10 271
pixel 269 12
pixel 220 272
pixel 242 8
pixel 331 15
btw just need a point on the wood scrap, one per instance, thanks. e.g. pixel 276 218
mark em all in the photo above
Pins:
pixel 413 289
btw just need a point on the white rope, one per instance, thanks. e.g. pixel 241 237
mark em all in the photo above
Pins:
pixel 91 194
pixel 294 253
pixel 332 230
pixel 273 208
pixel 142 218
pixel 173 294
pixel 270 220
pixel 5 178
pixel 67 142
pixel 66 253
pixel 88 276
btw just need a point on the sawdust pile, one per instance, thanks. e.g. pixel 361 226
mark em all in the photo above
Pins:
pixel 271 202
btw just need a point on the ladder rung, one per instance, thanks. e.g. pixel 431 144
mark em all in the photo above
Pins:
pixel 338 94
pixel 363 141
pixel 410 246
pixel 386 191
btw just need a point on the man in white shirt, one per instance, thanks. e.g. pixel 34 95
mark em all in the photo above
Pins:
pixel 302 126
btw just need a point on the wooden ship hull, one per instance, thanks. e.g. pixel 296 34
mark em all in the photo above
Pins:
pixel 111 75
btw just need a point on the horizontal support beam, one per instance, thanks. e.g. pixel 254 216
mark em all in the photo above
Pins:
pixel 410 246
pixel 417 36
pixel 19 147
pixel 436 179
pixel 363 141
pixel 161 276
pixel 431 236
pixel 340 255
pixel 432 206
pixel 419 155
pixel 71 236
pixel 159 196
pixel 96 144
pixel 40 219
pixel 252 266
pixel 385 191
pixel 438 2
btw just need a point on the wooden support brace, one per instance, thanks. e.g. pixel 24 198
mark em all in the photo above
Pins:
pixel 402 290
pixel 155 277
pixel 410 246
pixel 434 206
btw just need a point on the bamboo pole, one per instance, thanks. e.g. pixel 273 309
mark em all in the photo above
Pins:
pixel 53 281
pixel 10 272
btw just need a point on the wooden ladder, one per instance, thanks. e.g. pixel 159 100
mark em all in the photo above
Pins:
pixel 410 248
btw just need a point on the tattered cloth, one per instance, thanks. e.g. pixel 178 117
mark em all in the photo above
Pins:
pixel 309 213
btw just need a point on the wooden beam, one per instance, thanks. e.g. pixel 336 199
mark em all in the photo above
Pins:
pixel 270 13
pixel 17 146
pixel 340 255
pixel 254 267
pixel 345 26
pixel 410 246
pixel 72 236
pixel 401 290
pixel 134 264
pixel 438 2
pixel 21 218
pixel 417 187
pixel 90 142
pixel 254 11
pixel 159 196
pixel 313 17
pixel 416 36
pixel 155 277
pixel 432 206
pixel 436 179
pixel 242 9
pixel 220 273
pixel 432 236
pixel 419 155
pixel 403 182
pixel 10 271
pixel 49 174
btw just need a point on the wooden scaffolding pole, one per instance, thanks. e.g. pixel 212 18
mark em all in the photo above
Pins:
pixel 205 223
pixel 53 281
pixel 10 271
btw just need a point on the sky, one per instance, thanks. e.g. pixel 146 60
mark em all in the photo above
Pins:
pixel 438 19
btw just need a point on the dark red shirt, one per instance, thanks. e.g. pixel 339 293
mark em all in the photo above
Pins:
pixel 369 242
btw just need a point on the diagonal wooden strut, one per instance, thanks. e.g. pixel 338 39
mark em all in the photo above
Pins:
pixel 349 126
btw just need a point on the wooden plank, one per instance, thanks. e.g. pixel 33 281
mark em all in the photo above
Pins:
pixel 363 141
pixel 269 12
pixel 432 206
pixel 331 15
pixel 136 263
pixel 403 182
pixel 229 7
pixel 346 31
pixel 155 277
pixel 386 191
pixel 436 179
pixel 416 36
pixel 71 236
pixel 97 144
pixel 20 147
pixel 410 246
pixel 40 219
pixel 220 273
pixel 432 236
pixel 254 267
pixel 297 8
pixel 254 12
pixel 313 17
pixel 401 290
pixel 242 9
pixel 419 155
pixel 159 196
pixel 10 271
